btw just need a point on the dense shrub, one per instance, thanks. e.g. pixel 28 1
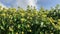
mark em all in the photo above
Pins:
pixel 30 21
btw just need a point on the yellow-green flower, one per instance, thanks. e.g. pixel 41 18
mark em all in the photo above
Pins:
pixel 30 30
pixel 36 12
pixel 58 19
pixel 16 32
pixel 30 17
pixel 23 19
pixel 28 25
pixel 22 32
pixel 32 14
pixel 29 14
pixel 22 14
pixel 10 29
pixel 44 15
pixel 3 14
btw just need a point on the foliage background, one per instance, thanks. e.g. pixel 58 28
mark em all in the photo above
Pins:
pixel 30 21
